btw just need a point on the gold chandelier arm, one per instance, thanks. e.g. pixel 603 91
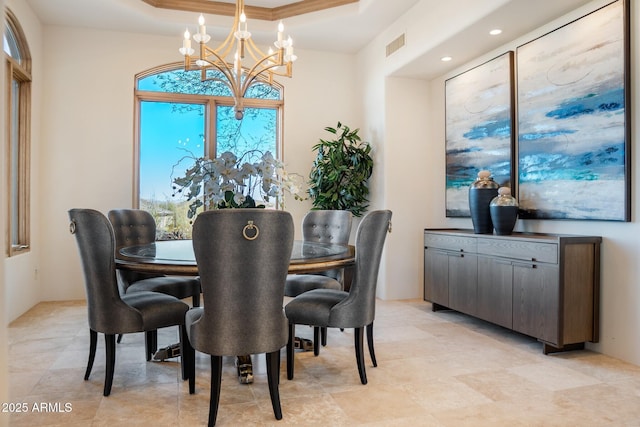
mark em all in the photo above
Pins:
pixel 260 58
pixel 223 66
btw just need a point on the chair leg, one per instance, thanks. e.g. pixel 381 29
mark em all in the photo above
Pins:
pixel 151 343
pixel 372 353
pixel 216 379
pixel 93 343
pixel 323 335
pixel 273 377
pixel 110 345
pixel 187 359
pixel 291 350
pixel 119 338
pixel 316 340
pixel 195 300
pixel 359 341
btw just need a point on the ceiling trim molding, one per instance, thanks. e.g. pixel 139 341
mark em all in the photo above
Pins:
pixel 254 12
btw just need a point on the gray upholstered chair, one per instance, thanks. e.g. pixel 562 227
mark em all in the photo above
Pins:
pixel 325 226
pixel 109 312
pixel 243 256
pixel 137 227
pixel 339 309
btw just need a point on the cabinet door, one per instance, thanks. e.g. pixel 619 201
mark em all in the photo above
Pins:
pixel 463 280
pixel 436 276
pixel 535 300
pixel 495 291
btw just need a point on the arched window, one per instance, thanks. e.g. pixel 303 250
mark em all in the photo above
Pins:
pixel 178 117
pixel 18 107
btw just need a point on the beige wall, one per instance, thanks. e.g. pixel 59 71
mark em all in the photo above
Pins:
pixel 402 276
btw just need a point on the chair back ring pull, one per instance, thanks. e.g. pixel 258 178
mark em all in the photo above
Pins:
pixel 253 235
pixel 72 227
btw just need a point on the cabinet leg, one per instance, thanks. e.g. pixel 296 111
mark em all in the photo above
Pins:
pixel 438 307
pixel 548 348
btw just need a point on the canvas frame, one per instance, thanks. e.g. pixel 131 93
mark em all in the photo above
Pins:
pixel 574 119
pixel 479 123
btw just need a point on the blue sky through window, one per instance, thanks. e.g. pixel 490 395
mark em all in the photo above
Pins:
pixel 168 132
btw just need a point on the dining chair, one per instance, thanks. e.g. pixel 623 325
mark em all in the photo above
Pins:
pixel 110 313
pixel 332 308
pixel 323 226
pixel 243 256
pixel 137 227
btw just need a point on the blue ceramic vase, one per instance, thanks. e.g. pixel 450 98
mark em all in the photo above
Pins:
pixel 481 192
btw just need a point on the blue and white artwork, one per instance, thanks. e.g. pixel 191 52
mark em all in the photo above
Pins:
pixel 479 123
pixel 571 121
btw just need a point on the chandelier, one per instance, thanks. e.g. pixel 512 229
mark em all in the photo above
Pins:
pixel 228 58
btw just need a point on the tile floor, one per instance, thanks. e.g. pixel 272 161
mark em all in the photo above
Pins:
pixel 434 369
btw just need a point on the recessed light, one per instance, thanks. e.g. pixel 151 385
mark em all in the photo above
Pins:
pixel 495 32
pixel 446 58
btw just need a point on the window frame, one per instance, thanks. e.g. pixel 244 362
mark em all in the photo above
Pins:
pixel 210 103
pixel 20 72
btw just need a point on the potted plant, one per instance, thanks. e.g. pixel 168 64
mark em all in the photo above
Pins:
pixel 340 172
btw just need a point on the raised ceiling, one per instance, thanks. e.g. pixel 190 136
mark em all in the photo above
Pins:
pixel 254 9
pixel 342 26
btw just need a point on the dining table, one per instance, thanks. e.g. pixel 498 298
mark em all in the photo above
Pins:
pixel 176 257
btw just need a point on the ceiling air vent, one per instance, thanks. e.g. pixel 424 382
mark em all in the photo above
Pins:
pixel 395 45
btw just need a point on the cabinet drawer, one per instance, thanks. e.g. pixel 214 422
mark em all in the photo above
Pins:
pixel 519 249
pixel 450 242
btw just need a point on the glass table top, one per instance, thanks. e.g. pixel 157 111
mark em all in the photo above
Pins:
pixel 181 252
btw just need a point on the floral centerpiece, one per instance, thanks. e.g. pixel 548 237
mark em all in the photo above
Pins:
pixel 231 182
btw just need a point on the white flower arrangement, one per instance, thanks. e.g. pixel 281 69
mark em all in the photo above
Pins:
pixel 229 182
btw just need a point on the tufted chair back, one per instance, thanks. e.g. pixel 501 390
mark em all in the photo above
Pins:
pixel 132 227
pixel 328 226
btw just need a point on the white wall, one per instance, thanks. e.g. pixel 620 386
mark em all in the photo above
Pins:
pixel 402 276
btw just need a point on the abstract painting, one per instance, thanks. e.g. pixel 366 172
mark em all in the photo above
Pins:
pixel 479 120
pixel 572 134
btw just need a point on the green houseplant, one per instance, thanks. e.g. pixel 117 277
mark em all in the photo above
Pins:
pixel 340 172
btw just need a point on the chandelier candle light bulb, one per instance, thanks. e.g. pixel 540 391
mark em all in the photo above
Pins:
pixel 186 44
pixel 203 28
pixel 280 35
pixel 201 36
pixel 243 23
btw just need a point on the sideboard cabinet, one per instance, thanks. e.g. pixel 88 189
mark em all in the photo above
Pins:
pixel 543 285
